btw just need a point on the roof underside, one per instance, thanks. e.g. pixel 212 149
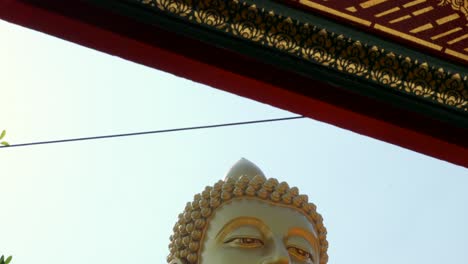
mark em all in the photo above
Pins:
pixel 278 55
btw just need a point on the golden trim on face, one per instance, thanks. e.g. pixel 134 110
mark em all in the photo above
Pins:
pixel 254 231
pixel 310 237
pixel 242 222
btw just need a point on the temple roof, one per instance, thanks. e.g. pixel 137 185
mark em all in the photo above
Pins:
pixel 316 58
pixel 439 27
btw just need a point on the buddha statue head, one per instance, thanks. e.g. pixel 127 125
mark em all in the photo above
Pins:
pixel 249 219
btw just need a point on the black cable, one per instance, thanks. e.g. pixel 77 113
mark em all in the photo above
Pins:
pixel 154 132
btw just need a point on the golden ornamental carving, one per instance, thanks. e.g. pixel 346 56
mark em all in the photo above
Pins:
pixel 284 36
pixel 320 46
pixel 213 13
pixel 354 60
pixel 453 90
pixel 248 24
pixel 458 5
pixel 176 7
pixel 387 69
pixel 420 81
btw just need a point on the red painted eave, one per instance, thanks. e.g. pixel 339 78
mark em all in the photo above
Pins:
pixel 190 59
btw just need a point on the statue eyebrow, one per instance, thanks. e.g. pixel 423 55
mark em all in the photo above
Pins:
pixel 307 235
pixel 242 221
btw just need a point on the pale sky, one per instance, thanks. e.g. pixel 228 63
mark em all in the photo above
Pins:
pixel 116 200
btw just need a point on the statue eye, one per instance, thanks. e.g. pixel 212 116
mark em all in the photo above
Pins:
pixel 301 254
pixel 246 242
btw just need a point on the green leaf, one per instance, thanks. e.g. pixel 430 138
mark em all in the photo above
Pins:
pixel 3 134
pixel 4 143
pixel 8 260
pixel 1 259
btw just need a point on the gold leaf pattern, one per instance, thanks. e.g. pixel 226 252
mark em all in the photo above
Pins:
pixel 319 46
pixel 354 60
pixel 387 70
pixel 458 5
pixel 420 81
pixel 284 36
pixel 176 7
pixel 452 92
pixel 248 24
pixel 212 13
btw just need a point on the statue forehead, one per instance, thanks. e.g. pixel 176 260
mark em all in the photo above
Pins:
pixel 250 217
pixel 276 217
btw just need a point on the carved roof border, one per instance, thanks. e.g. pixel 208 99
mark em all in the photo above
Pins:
pixel 323 47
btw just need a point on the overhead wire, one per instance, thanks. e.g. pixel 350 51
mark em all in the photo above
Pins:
pixel 153 132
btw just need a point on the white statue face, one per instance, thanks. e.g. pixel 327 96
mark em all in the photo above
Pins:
pixel 257 232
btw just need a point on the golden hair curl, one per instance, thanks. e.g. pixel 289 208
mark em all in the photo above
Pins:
pixel 185 243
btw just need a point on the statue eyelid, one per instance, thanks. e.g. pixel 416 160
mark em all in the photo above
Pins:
pixel 240 236
pixel 235 228
pixel 245 241
pixel 302 252
pixel 309 237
